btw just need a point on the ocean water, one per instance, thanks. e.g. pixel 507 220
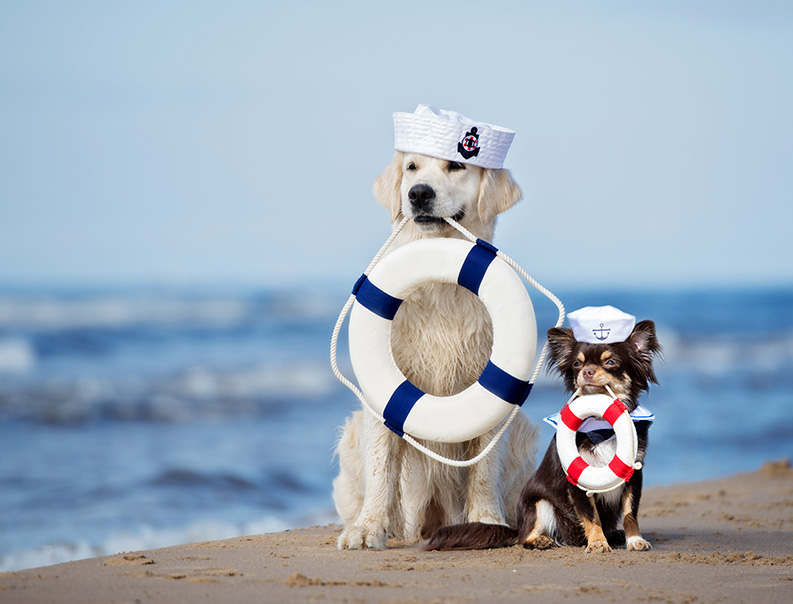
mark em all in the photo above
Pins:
pixel 139 418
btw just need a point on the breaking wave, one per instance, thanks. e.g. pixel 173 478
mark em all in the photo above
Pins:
pixel 152 538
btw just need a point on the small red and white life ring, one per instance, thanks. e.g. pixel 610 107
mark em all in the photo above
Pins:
pixel 597 479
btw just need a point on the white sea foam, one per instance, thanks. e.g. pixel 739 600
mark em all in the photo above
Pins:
pixel 46 556
pixel 192 393
pixel 296 379
pixel 16 356
pixel 109 309
pixel 118 311
pixel 716 356
pixel 149 538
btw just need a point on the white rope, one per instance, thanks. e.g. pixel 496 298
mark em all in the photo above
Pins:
pixel 340 321
pixel 419 446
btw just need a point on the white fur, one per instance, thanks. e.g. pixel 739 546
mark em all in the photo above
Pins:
pixel 601 454
pixel 637 544
pixel 441 341
pixel 546 518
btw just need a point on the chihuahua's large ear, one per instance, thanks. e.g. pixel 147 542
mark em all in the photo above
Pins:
pixel 497 193
pixel 561 343
pixel 386 187
pixel 645 344
pixel 644 340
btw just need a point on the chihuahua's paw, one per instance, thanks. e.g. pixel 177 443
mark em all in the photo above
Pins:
pixel 540 542
pixel 362 537
pixel 598 547
pixel 637 544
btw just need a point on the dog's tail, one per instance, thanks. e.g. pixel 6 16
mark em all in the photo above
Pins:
pixel 472 535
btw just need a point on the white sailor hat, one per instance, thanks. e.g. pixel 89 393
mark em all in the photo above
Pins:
pixel 601 324
pixel 452 136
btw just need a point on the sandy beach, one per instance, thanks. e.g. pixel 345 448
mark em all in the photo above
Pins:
pixel 728 540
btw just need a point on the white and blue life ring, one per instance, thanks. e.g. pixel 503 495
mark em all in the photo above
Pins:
pixel 597 479
pixel 504 381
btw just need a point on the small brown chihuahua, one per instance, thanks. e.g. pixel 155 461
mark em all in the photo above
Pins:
pixel 551 510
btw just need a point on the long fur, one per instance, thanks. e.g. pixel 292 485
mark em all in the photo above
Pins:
pixel 551 511
pixel 441 341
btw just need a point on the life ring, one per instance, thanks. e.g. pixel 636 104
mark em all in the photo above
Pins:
pixel 595 479
pixel 504 382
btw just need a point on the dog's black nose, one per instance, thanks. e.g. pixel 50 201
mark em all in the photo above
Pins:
pixel 421 197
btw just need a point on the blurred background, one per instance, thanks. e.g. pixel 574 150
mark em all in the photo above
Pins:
pixel 185 203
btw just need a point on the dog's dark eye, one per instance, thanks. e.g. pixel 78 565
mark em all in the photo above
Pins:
pixel 577 364
pixel 611 363
pixel 411 167
pixel 454 166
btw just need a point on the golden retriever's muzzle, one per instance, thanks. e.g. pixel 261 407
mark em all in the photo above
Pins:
pixel 422 203
pixel 421 199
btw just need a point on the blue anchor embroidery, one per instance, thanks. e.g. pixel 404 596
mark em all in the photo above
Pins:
pixel 604 332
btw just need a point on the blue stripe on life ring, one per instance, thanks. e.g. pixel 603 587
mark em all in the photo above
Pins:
pixel 400 405
pixel 375 299
pixel 476 264
pixel 505 386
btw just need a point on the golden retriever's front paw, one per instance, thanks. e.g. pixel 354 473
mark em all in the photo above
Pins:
pixel 637 544
pixel 485 515
pixel 598 547
pixel 487 519
pixel 361 537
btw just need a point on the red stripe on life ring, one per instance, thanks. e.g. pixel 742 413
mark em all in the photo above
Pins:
pixel 570 419
pixel 620 468
pixel 614 411
pixel 577 466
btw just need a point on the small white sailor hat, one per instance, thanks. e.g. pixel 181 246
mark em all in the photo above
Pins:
pixel 451 136
pixel 601 324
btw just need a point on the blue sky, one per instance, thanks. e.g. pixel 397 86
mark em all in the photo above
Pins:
pixel 195 143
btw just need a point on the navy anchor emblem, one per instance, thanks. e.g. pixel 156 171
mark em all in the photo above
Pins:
pixel 603 332
pixel 469 146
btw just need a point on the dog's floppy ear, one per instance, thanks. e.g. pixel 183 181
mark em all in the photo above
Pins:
pixel 386 187
pixel 497 193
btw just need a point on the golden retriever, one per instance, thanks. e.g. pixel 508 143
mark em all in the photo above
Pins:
pixel 441 341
